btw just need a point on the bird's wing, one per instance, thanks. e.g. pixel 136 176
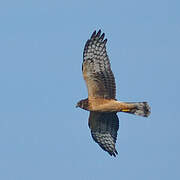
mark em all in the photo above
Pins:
pixel 104 127
pixel 96 68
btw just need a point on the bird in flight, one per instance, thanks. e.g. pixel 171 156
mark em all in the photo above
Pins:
pixel 101 102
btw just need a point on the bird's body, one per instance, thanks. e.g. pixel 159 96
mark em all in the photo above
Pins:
pixel 112 105
pixel 101 101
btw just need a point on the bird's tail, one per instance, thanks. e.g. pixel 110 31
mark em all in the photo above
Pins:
pixel 137 108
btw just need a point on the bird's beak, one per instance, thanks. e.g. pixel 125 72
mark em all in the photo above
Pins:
pixel 77 106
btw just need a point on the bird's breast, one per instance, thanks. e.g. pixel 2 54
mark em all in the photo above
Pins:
pixel 103 105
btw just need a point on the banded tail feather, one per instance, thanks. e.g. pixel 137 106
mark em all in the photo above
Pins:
pixel 139 108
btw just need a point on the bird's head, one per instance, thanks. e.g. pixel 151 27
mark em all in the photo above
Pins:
pixel 83 104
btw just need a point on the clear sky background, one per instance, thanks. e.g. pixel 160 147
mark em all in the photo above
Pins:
pixel 42 134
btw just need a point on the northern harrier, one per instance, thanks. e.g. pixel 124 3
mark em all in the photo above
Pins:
pixel 101 101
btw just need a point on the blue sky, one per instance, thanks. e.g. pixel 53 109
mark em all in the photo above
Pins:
pixel 42 134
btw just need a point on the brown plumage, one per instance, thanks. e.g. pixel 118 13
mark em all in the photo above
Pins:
pixel 101 102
